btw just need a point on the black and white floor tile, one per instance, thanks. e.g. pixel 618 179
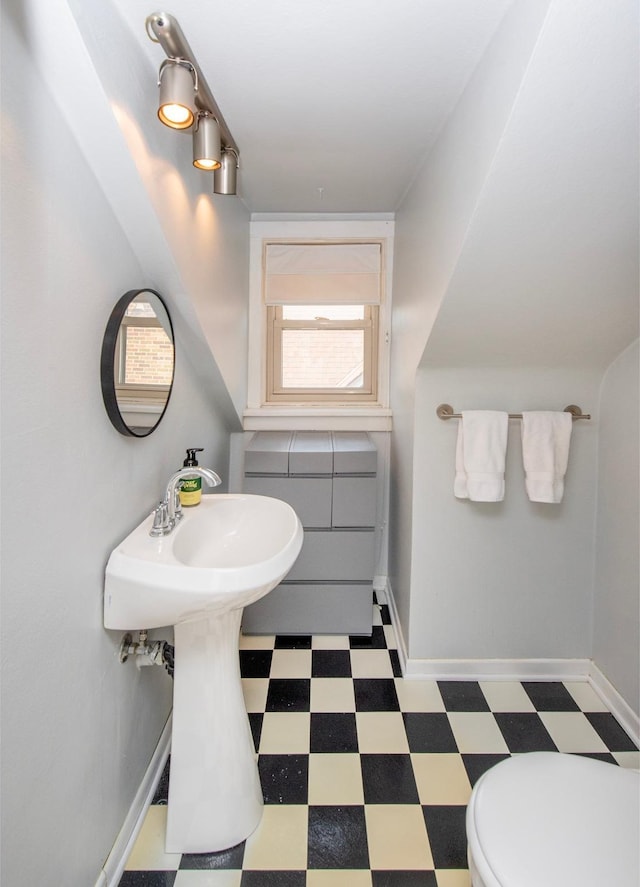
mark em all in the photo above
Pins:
pixel 365 775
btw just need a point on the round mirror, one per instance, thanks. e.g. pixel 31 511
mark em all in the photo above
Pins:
pixel 137 363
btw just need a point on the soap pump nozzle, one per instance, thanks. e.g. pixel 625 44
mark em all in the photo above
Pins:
pixel 191 457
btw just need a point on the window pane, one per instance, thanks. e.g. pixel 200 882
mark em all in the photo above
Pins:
pixel 322 358
pixel 328 312
pixel 148 356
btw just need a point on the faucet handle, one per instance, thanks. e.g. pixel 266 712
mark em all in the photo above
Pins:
pixel 177 505
pixel 161 524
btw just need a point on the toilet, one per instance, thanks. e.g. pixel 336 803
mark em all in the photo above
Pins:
pixel 547 819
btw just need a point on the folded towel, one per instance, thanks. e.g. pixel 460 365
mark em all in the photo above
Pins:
pixel 480 456
pixel 545 453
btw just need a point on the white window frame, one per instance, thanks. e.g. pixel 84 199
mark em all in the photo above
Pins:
pixel 372 415
pixel 276 325
pixel 276 392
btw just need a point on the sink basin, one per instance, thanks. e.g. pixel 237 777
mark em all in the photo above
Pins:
pixel 226 553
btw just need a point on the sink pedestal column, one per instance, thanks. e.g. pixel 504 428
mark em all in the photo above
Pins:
pixel 215 799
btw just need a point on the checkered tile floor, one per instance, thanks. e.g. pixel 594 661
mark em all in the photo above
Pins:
pixel 366 776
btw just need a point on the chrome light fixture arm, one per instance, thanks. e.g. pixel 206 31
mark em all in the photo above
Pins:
pixel 185 63
pixel 167 32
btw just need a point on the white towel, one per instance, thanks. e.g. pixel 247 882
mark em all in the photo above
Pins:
pixel 545 453
pixel 480 455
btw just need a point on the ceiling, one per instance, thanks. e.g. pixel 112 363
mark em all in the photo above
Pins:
pixel 333 103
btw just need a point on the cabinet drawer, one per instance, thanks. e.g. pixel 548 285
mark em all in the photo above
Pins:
pixel 311 609
pixel 354 453
pixel 310 497
pixel 311 453
pixel 335 555
pixel 268 452
pixel 354 502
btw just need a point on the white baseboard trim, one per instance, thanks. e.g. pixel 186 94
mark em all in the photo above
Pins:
pixel 397 628
pixel 619 708
pixel 498 669
pixel 117 859
pixel 515 670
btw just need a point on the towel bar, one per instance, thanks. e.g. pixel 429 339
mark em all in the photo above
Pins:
pixel 445 411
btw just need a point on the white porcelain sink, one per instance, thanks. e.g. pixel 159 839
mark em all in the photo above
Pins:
pixel 225 553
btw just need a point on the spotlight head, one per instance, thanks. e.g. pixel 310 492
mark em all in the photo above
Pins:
pixel 206 142
pixel 224 179
pixel 177 82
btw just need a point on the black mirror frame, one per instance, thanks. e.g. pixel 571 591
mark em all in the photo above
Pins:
pixel 107 362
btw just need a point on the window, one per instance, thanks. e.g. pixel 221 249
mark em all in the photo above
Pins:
pixel 322 304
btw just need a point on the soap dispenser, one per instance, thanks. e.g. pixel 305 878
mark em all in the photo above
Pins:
pixel 191 487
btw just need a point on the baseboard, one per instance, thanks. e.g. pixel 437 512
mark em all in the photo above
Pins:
pixel 397 627
pixel 117 859
pixel 515 670
pixel 619 708
pixel 498 669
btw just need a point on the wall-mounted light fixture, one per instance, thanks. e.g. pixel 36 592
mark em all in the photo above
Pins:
pixel 186 102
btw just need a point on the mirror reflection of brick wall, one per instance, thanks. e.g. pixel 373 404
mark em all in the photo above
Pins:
pixel 149 356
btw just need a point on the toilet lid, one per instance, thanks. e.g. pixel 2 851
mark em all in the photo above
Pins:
pixel 556 820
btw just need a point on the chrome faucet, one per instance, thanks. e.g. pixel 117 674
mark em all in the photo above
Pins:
pixel 169 511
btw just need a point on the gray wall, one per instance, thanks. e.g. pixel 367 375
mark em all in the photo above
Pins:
pixel 516 286
pixel 510 579
pixel 431 228
pixel 616 635
pixel 78 728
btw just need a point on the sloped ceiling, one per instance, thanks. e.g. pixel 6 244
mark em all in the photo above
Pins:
pixel 548 273
pixel 333 103
pixel 193 251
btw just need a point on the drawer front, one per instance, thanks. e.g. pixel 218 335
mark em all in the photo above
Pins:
pixel 268 452
pixel 311 609
pixel 335 555
pixel 354 502
pixel 354 453
pixel 311 453
pixel 310 497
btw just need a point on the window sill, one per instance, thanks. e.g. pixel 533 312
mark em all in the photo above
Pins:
pixel 307 418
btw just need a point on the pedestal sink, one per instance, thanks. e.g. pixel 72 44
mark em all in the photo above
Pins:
pixel 224 554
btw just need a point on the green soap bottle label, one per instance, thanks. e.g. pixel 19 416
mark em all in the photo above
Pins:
pixel 191 491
